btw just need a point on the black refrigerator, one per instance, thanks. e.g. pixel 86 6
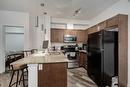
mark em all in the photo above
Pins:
pixel 103 56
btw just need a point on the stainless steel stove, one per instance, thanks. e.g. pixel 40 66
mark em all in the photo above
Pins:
pixel 73 56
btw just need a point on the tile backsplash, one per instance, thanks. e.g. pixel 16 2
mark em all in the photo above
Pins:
pixel 58 45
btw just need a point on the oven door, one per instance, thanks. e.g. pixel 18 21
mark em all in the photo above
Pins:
pixel 73 58
pixel 70 38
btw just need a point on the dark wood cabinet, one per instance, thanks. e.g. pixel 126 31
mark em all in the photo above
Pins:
pixel 58 34
pixel 81 36
pixel 97 27
pixel 70 32
pixel 83 60
pixel 112 21
pixel 102 25
pixel 53 75
pixel 93 29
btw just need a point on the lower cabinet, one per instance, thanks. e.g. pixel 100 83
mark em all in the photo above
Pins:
pixel 83 60
pixel 53 75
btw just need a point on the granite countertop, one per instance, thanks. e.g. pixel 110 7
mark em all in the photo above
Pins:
pixel 84 51
pixel 40 57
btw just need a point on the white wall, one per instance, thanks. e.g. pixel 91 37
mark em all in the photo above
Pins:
pixel 40 34
pixel 121 7
pixel 62 23
pixel 13 19
pixel 47 27
pixel 129 46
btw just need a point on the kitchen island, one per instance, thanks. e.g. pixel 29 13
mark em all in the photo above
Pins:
pixel 45 69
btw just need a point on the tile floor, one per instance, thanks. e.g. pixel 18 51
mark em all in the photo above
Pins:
pixel 76 78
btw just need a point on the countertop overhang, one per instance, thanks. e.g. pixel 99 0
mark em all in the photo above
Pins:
pixel 40 57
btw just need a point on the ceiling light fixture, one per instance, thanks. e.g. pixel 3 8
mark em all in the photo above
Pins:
pixel 76 12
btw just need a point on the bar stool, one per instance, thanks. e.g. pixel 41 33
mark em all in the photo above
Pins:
pixel 13 57
pixel 16 70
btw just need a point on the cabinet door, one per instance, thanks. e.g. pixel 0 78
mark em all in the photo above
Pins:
pixel 83 60
pixel 102 25
pixel 53 75
pixel 86 36
pixel 70 32
pixel 93 29
pixel 54 36
pixel 60 35
pixel 112 21
pixel 57 35
pixel 81 34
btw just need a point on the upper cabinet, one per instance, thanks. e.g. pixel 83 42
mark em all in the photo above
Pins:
pixel 81 36
pixel 92 29
pixel 58 34
pixel 105 24
pixel 102 25
pixel 112 21
pixel 70 32
pixel 97 27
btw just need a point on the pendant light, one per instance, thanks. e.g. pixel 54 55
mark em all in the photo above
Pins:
pixel 43 26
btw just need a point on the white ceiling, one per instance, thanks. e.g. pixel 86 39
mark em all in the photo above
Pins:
pixel 60 8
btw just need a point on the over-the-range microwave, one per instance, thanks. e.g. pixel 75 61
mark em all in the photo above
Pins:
pixel 70 38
